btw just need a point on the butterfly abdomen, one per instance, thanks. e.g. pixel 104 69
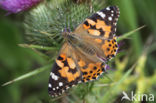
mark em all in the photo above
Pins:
pixel 79 44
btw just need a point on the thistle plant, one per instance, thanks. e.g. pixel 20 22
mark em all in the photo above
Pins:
pixel 16 6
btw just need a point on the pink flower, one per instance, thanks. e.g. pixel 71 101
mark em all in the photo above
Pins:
pixel 15 6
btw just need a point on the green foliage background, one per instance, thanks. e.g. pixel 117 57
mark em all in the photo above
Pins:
pixel 38 32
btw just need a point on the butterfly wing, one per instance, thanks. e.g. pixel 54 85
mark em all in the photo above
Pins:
pixel 99 30
pixel 90 68
pixel 78 64
pixel 101 24
pixel 72 67
pixel 64 73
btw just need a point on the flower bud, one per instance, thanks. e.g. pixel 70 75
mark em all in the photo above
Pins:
pixel 15 6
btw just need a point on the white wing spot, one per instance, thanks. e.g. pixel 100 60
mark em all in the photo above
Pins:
pixel 57 87
pixel 67 87
pixel 53 88
pixel 110 18
pixel 49 85
pixel 60 84
pixel 101 14
pixel 112 11
pixel 112 14
pixel 108 8
pixel 53 76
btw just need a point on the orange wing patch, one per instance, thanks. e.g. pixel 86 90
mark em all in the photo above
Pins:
pixel 94 32
pixel 81 63
pixel 110 48
pixel 88 23
pixel 59 63
pixel 62 57
pixel 64 72
pixel 85 26
pixel 71 63
pixel 91 22
pixel 91 71
pixel 98 28
pixel 105 28
pixel 66 64
pixel 102 24
pixel 98 40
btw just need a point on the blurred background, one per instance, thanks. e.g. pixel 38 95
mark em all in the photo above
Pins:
pixel 27 53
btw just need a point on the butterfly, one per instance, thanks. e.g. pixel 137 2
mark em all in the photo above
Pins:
pixel 85 51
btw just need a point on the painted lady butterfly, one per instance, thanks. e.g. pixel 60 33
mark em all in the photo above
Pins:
pixel 83 56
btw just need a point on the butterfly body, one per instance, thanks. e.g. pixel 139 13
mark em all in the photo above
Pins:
pixel 80 44
pixel 85 51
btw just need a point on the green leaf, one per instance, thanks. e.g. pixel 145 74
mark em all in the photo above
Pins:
pixel 114 89
pixel 27 75
pixel 126 35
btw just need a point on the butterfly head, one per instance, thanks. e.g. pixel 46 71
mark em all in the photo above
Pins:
pixel 65 33
pixel 70 37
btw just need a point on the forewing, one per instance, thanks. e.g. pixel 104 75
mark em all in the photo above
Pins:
pixel 99 31
pixel 64 73
pixel 101 24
